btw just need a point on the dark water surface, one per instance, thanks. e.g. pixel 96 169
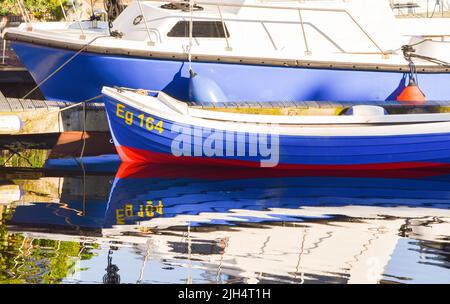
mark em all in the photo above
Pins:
pixel 173 225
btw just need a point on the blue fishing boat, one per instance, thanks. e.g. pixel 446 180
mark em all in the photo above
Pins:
pixel 160 129
pixel 241 50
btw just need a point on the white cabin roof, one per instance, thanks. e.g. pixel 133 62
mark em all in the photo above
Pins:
pixel 363 32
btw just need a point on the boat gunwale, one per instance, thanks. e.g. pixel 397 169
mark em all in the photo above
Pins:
pixel 327 129
pixel 260 61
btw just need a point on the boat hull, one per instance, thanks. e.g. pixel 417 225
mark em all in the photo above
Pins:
pixel 402 150
pixel 85 75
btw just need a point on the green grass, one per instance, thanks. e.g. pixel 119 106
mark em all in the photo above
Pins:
pixel 26 158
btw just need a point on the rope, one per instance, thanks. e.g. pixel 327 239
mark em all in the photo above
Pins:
pixel 409 53
pixel 432 60
pixel 113 9
pixel 23 12
pixel 83 169
pixel 62 9
pixel 63 65
pixel 75 105
pixel 63 109
pixel 191 25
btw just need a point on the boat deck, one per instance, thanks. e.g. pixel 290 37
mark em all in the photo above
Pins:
pixel 311 104
pixel 307 108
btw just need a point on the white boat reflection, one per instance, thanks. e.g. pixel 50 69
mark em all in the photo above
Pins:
pixel 256 229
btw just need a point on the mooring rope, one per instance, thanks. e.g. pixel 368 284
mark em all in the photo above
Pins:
pixel 83 136
pixel 63 109
pixel 63 65
pixel 23 12
pixel 191 26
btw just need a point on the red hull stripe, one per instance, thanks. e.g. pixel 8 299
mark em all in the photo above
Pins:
pixel 142 170
pixel 133 155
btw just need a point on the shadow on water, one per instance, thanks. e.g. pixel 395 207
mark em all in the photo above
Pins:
pixel 154 224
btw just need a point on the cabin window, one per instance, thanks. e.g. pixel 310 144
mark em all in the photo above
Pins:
pixel 200 29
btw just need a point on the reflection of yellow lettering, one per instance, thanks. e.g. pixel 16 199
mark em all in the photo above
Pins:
pixel 120 110
pixel 159 208
pixel 120 219
pixel 141 211
pixel 129 118
pixel 149 209
pixel 129 210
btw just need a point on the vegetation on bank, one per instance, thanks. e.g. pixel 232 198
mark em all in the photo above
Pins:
pixel 27 260
pixel 26 158
pixel 38 9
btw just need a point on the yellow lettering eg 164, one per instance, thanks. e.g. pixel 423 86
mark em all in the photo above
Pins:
pixel 144 121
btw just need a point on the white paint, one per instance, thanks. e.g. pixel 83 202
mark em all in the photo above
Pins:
pixel 350 31
pixel 365 125
pixel 9 194
pixel 10 124
pixel 364 110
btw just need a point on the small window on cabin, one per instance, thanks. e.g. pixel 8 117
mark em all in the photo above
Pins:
pixel 200 29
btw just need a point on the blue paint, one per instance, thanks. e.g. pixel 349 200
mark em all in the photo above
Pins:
pixel 294 150
pixel 181 196
pixel 98 164
pixel 189 195
pixel 203 89
pixel 84 77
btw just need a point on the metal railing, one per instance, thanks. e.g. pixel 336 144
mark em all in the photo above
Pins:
pixel 220 5
pixel 3 52
pixel 150 40
pixel 300 10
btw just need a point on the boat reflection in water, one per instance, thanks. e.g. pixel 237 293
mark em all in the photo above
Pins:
pixel 199 225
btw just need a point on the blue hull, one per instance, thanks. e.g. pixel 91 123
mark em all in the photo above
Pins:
pixel 192 192
pixel 84 77
pixel 136 143
pixel 180 193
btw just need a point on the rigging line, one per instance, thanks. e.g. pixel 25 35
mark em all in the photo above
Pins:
pixel 92 9
pixel 62 9
pixel 150 40
pixel 220 266
pixel 431 59
pixel 375 235
pixel 63 65
pixel 83 136
pixel 191 25
pixel 300 255
pixel 147 252
pixel 189 244
pixel 411 45
pixel 434 9
pixel 23 12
